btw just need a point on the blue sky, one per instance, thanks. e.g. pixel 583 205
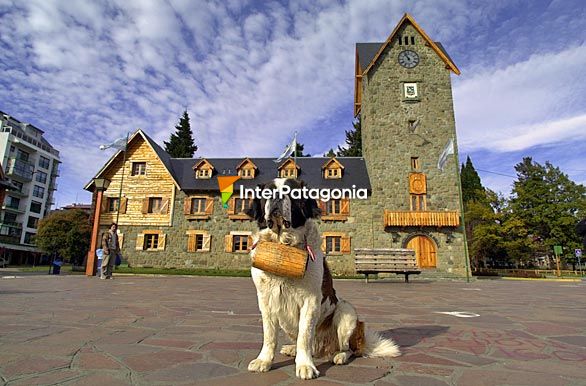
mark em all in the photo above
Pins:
pixel 251 73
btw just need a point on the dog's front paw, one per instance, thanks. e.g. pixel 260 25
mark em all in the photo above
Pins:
pixel 259 366
pixel 306 371
pixel 342 357
pixel 289 350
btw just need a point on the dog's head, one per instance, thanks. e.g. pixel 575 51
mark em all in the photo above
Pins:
pixel 282 212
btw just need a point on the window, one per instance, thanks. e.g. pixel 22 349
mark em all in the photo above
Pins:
pixel 333 207
pixel 151 241
pixel 41 177
pixel 36 207
pixel 32 222
pixel 333 173
pixel 288 173
pixel 240 243
pixel 12 149
pixel 247 173
pixel 241 205
pixel 13 202
pixel 138 168
pixel 333 244
pixel 44 162
pixel 29 238
pixel 412 125
pixel 113 204
pixel 198 205
pixel 22 155
pixel 17 185
pixel 198 241
pixel 204 173
pixel 9 217
pixel 155 204
pixel 38 191
pixel 413 40
pixel 418 202
pixel 415 163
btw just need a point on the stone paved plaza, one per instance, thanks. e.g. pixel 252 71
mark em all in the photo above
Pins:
pixel 75 330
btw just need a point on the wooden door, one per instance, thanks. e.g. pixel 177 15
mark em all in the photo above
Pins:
pixel 424 251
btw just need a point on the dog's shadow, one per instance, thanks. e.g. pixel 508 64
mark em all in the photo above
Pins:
pixel 410 336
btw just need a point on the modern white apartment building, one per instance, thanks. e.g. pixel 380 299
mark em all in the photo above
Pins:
pixel 32 165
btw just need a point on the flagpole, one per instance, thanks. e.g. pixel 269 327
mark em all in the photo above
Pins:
pixel 295 148
pixel 122 179
pixel 466 255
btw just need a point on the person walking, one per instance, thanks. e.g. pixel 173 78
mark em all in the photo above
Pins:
pixel 111 248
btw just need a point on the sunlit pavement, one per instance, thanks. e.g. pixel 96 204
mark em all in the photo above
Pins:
pixel 201 330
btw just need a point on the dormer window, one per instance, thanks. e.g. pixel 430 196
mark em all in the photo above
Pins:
pixel 203 169
pixel 332 169
pixel 246 169
pixel 289 169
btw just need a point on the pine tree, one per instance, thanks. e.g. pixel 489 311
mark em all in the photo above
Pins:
pixel 353 146
pixel 472 189
pixel 331 153
pixel 181 144
pixel 299 151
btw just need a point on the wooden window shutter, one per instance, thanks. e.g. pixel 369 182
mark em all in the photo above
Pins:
pixel 191 242
pixel 104 206
pixel 228 243
pixel 207 241
pixel 121 240
pixel 249 243
pixel 123 203
pixel 140 242
pixel 417 183
pixel 165 206
pixel 345 245
pixel 345 206
pixel 322 206
pixel 162 242
pixel 231 206
pixel 209 205
pixel 187 205
pixel 323 243
pixel 145 205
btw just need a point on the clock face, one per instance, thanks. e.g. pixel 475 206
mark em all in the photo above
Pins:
pixel 408 59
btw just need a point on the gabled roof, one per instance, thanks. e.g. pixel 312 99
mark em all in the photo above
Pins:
pixel 244 161
pixel 288 161
pixel 438 48
pixel 203 162
pixel 161 154
pixel 332 160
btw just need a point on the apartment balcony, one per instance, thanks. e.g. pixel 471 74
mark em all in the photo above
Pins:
pixel 19 169
pixel 24 192
pixel 422 219
pixel 12 208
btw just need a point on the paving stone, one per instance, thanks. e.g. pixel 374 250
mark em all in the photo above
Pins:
pixel 427 359
pixel 501 377
pixel 100 379
pixel 233 346
pixel 189 373
pixel 413 380
pixel 160 360
pixel 269 378
pixel 50 378
pixel 422 369
pixel 88 361
pixel 168 343
pixel 575 340
pixel 31 365
pixel 353 374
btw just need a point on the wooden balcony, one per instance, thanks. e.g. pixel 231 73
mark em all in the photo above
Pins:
pixel 422 219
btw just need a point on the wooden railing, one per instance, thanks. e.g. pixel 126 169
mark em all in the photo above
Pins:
pixel 426 218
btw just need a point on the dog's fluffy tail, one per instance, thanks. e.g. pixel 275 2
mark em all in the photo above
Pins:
pixel 377 346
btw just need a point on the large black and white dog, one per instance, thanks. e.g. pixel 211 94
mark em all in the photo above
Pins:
pixel 318 322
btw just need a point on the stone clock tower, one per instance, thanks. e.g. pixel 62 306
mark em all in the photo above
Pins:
pixel 403 95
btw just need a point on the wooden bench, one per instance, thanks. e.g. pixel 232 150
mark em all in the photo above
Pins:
pixel 400 261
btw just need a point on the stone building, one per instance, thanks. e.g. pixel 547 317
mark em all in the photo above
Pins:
pixel 170 212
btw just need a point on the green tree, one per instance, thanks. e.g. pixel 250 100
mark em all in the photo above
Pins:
pixel 66 233
pixel 353 147
pixel 472 189
pixel 181 144
pixel 549 204
pixel 299 151
pixel 331 153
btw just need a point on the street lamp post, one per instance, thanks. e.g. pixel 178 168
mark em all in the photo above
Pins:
pixel 100 184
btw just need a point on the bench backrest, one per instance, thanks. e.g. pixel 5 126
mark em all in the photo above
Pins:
pixel 385 259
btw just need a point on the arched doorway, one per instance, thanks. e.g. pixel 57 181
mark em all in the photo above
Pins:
pixel 425 251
